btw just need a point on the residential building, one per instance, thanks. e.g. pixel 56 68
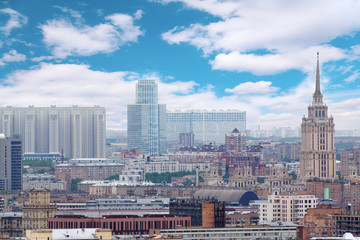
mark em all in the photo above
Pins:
pixel 327 190
pixel 243 178
pixel 10 163
pixel 37 211
pixel 277 179
pixel 146 128
pixel 205 125
pixel 318 155
pixel 319 222
pixel 88 169
pixel 235 142
pixel 120 224
pixel 347 222
pixel 11 223
pixel 350 160
pixel 286 208
pixel 77 131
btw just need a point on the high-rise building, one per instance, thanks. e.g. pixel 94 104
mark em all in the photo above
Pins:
pixel 235 142
pixel 10 163
pixel 318 155
pixel 78 131
pixel 205 125
pixel 147 120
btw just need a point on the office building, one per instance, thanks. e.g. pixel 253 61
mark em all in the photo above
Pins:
pixel 146 129
pixel 318 155
pixel 203 213
pixel 10 163
pixel 205 125
pixel 78 131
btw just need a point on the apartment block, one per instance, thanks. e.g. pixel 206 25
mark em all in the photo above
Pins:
pixel 286 208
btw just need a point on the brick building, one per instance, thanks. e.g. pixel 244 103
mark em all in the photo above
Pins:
pixel 326 189
pixel 120 224
pixel 318 222
pixel 204 213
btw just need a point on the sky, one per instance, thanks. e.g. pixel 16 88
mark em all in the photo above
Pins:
pixel 257 56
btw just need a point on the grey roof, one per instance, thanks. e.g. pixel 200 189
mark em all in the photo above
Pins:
pixel 241 196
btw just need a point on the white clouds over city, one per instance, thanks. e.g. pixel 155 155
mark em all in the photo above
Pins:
pixel 66 38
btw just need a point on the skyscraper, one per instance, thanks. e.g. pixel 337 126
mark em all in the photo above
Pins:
pixel 318 155
pixel 10 163
pixel 79 131
pixel 147 120
pixel 205 125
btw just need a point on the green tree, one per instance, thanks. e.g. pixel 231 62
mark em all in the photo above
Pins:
pixel 74 184
pixel 113 177
pixel 166 177
pixel 25 171
pixel 41 171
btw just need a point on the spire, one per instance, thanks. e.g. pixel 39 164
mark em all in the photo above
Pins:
pixel 317 88
pixel 317 96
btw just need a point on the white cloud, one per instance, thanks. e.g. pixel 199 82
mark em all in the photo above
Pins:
pixel 66 39
pixel 72 84
pixel 12 56
pixel 253 88
pixel 352 77
pixel 16 20
pixel 280 29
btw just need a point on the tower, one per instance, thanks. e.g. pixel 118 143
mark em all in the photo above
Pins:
pixel 318 155
pixel 147 120
pixel 10 163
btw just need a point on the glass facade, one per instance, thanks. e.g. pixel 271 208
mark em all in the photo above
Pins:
pixel 147 120
pixel 206 125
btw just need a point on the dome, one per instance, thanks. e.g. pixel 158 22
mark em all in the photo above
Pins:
pixel 2 136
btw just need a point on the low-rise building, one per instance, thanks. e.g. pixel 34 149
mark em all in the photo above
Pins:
pixel 11 224
pixel 90 168
pixel 61 234
pixel 268 232
pixel 120 224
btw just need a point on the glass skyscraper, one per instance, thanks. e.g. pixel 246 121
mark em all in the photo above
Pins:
pixel 147 120
pixel 205 125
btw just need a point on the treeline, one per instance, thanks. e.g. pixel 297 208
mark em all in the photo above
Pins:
pixel 38 163
pixel 166 177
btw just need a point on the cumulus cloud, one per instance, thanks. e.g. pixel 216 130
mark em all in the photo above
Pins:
pixel 73 84
pixel 12 56
pixel 65 38
pixel 251 88
pixel 279 28
pixel 16 20
pixel 48 84
pixel 352 77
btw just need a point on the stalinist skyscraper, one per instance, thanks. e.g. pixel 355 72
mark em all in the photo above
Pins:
pixel 318 155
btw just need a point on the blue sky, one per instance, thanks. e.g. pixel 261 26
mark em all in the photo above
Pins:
pixel 258 56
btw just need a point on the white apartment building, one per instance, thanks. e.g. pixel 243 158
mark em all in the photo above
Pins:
pixel 78 131
pixel 162 167
pixel 286 208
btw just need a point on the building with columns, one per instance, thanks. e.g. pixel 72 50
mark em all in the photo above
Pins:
pixel 318 155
